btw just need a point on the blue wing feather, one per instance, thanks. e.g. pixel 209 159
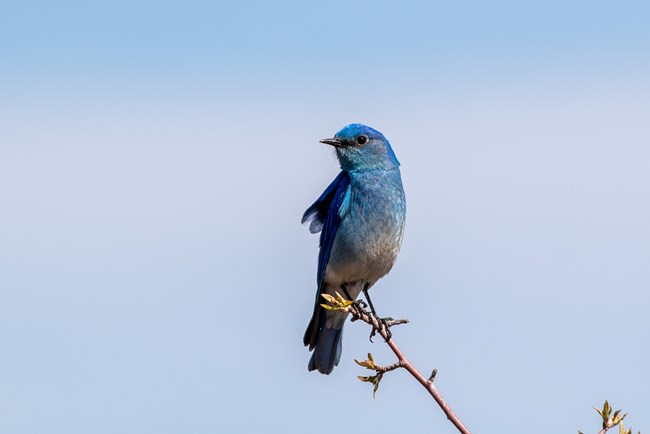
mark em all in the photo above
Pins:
pixel 317 212
pixel 325 218
pixel 330 226
pixel 325 215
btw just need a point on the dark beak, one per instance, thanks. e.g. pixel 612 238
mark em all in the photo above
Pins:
pixel 334 142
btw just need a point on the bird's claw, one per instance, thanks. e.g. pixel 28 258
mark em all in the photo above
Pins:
pixel 385 324
pixel 360 306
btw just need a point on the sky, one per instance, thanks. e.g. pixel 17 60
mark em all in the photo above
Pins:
pixel 156 158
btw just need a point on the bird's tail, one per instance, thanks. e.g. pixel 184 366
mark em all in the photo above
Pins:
pixel 327 353
pixel 325 341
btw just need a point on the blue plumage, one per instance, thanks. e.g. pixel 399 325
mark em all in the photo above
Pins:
pixel 361 219
pixel 327 219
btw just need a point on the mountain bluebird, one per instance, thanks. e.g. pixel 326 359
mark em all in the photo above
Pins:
pixel 361 220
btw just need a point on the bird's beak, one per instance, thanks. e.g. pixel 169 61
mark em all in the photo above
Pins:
pixel 334 142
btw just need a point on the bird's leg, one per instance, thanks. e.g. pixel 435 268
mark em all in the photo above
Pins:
pixel 365 292
pixel 344 287
pixel 360 304
pixel 385 322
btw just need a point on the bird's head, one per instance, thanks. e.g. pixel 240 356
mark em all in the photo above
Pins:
pixel 359 147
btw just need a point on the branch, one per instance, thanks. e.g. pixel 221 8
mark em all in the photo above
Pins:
pixel 610 420
pixel 403 362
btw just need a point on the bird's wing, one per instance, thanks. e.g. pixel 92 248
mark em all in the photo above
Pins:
pixel 325 217
pixel 317 212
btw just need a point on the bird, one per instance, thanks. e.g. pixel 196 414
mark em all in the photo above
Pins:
pixel 360 217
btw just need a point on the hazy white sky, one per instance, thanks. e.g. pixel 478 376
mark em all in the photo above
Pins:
pixel 155 159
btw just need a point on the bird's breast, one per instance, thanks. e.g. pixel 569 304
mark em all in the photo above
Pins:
pixel 370 233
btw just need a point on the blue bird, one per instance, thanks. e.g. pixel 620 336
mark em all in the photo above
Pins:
pixel 361 220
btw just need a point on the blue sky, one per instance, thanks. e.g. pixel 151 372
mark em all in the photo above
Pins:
pixel 156 157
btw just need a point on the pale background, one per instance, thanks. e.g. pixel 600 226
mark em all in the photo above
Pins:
pixel 156 157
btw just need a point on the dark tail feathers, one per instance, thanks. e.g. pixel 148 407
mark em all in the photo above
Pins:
pixel 326 342
pixel 327 353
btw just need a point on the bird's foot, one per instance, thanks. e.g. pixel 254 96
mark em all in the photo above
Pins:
pixel 385 324
pixel 360 308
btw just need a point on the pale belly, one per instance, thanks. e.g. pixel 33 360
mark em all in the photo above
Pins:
pixel 364 253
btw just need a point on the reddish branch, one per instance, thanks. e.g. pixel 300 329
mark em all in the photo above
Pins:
pixel 369 318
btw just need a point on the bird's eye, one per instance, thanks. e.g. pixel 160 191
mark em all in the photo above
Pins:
pixel 361 140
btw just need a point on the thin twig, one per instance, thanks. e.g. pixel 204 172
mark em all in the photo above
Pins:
pixel 389 368
pixel 403 362
pixel 604 430
pixel 391 322
pixel 607 426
